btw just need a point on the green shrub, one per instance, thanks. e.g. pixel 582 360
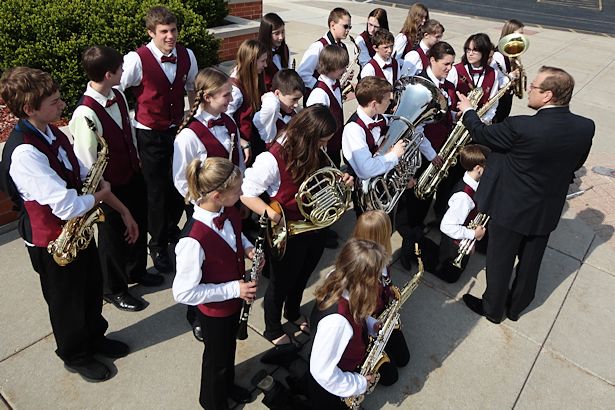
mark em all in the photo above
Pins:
pixel 52 34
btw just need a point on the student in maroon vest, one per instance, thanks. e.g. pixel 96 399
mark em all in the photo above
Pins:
pixel 342 318
pixel 408 35
pixel 41 173
pixel 122 263
pixel 273 35
pixel 417 59
pixel 474 71
pixel 382 65
pixel 376 20
pixel 160 72
pixel 503 64
pixel 279 172
pixel 207 132
pixel 210 269
pixel 461 210
pixel 331 64
pixel 248 86
pixel 278 106
pixel 365 131
pixel 339 28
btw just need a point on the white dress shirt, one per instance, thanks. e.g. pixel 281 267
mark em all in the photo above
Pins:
pixel 364 55
pixel 309 62
pixel 37 181
pixel 453 77
pixel 400 44
pixel 357 153
pixel 237 96
pixel 133 71
pixel 368 69
pixel 320 96
pixel 262 176
pixel 412 61
pixel 187 147
pixel 277 59
pixel 459 206
pixel 187 286
pixel 85 142
pixel 266 119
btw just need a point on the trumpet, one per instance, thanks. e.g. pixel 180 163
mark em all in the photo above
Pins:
pixel 351 71
pixel 512 46
pixel 466 245
pixel 322 199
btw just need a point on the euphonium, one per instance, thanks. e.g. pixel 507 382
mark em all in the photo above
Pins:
pixel 322 199
pixel 512 46
pixel 389 320
pixel 466 245
pixel 78 232
pixel 418 101
pixel 351 71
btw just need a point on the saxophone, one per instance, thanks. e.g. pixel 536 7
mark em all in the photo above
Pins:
pixel 353 68
pixel 389 320
pixel 252 275
pixel 466 245
pixel 77 233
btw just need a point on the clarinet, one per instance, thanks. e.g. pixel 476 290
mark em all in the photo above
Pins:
pixel 252 275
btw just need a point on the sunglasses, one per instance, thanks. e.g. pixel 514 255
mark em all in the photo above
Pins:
pixel 346 26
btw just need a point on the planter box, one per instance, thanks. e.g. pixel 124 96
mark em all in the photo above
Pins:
pixel 233 34
pixel 251 10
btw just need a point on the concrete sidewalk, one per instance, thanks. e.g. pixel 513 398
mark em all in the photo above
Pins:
pixel 560 354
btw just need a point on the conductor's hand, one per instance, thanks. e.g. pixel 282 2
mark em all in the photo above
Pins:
pixel 463 103
pixel 479 232
pixel 437 161
pixel 347 179
pixel 247 291
pixel 399 148
pixel 132 229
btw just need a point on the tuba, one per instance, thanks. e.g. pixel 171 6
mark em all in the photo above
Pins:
pixel 512 46
pixel 322 199
pixel 418 101
pixel 351 72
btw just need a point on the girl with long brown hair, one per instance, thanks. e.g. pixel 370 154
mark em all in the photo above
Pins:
pixel 502 64
pixel 408 35
pixel 248 87
pixel 272 34
pixel 279 172
pixel 376 20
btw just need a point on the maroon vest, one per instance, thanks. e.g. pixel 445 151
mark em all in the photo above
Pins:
pixel 385 294
pixel 272 69
pixel 368 43
pixel 409 46
pixel 221 263
pixel 465 83
pixel 243 115
pixel 437 132
pixel 44 225
pixel 288 189
pixel 325 42
pixel 123 160
pixel 463 187
pixel 369 137
pixel 335 143
pixel 160 104
pixel 212 145
pixel 422 56
pixel 280 125
pixel 378 72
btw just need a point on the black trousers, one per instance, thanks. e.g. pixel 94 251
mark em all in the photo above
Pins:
pixel 121 262
pixel 288 278
pixel 74 297
pixel 164 204
pixel 504 245
pixel 218 367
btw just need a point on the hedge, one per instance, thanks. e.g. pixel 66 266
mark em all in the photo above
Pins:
pixel 52 34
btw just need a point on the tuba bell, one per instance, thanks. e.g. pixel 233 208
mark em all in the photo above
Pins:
pixel 418 101
pixel 512 46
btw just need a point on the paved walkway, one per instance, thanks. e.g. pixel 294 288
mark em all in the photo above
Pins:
pixel 559 355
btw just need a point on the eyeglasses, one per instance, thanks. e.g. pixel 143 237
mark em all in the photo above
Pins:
pixel 346 26
pixel 534 87
pixel 471 50
pixel 373 26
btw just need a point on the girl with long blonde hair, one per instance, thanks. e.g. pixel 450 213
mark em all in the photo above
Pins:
pixel 407 38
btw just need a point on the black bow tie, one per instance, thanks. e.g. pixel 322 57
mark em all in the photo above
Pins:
pixel 375 124
pixel 289 114
pixel 219 220
pixel 442 86
pixel 277 51
pixel 217 122
pixel 110 102
pixel 335 86
pixel 168 59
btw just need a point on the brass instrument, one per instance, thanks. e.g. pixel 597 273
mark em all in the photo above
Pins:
pixel 418 101
pixel 466 245
pixel 512 46
pixel 252 275
pixel 351 72
pixel 322 199
pixel 432 176
pixel 389 319
pixel 77 233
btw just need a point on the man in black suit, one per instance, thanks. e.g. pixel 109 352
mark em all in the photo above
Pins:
pixel 524 187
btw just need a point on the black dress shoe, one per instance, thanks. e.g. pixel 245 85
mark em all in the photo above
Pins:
pixel 197 331
pixel 162 262
pixel 476 305
pixel 125 301
pixel 90 370
pixel 281 355
pixel 113 349
pixel 512 317
pixel 148 279
pixel 239 394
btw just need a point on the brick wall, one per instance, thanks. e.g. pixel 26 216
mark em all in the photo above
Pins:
pixel 229 46
pixel 250 10
pixel 6 210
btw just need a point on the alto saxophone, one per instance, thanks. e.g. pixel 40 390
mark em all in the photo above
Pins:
pixel 466 245
pixel 77 233
pixel 389 320
pixel 351 71
pixel 252 275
